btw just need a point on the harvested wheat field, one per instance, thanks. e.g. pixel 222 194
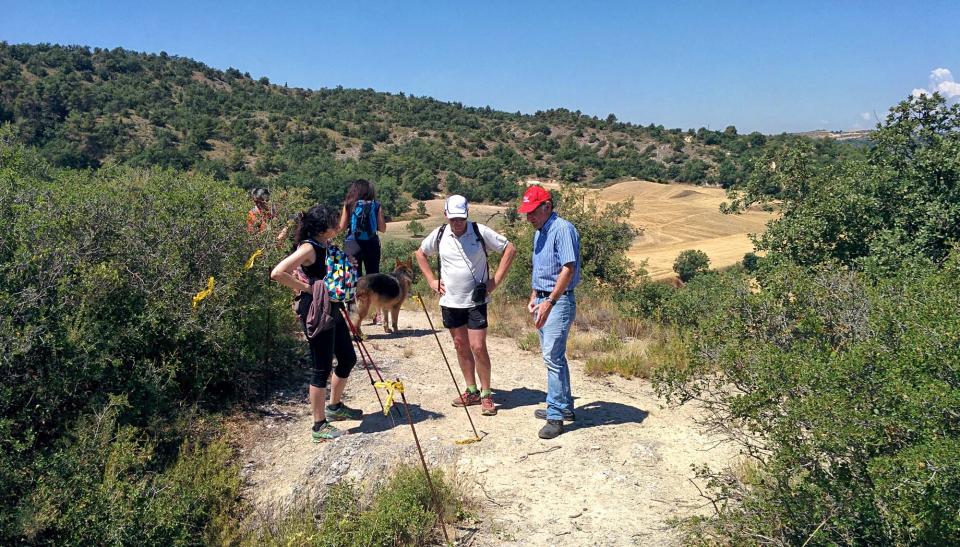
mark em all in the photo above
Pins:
pixel 677 217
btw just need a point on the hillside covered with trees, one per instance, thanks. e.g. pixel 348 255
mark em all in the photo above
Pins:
pixel 84 107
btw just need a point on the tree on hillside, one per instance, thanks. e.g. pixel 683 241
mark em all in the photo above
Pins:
pixel 691 263
pixel 415 228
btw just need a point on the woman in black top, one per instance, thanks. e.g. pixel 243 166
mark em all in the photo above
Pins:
pixel 315 229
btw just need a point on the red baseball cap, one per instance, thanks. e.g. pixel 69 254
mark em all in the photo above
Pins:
pixel 532 198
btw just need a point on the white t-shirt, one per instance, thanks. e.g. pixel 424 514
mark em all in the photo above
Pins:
pixel 462 262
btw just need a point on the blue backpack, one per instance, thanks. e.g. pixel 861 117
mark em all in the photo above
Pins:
pixel 363 220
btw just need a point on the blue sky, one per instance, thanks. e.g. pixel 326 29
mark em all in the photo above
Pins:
pixel 767 66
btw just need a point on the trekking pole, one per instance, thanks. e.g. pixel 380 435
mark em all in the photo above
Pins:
pixel 476 436
pixel 366 358
pixel 362 358
pixel 426 471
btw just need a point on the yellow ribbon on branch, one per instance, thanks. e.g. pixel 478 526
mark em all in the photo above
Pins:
pixel 210 282
pixel 249 263
pixel 392 389
pixel 204 293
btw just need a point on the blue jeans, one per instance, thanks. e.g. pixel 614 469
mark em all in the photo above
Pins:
pixel 553 346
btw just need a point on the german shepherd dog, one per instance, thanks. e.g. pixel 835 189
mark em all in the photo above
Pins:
pixel 384 292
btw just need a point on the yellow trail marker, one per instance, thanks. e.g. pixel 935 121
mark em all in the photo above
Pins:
pixel 249 263
pixel 204 293
pixel 392 389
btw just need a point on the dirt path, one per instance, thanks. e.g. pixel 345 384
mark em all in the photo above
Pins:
pixel 615 477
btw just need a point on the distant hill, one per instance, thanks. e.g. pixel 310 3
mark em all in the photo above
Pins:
pixel 86 107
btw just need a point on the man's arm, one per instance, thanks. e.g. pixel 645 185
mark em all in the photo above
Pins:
pixel 427 271
pixel 508 255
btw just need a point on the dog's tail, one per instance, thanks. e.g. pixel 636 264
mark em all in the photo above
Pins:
pixel 384 286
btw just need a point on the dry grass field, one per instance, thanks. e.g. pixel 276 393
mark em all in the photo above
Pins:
pixel 675 217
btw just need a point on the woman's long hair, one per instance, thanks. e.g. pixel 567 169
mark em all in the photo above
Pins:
pixel 316 220
pixel 359 189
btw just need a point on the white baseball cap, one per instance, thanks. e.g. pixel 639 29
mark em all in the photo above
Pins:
pixel 456 207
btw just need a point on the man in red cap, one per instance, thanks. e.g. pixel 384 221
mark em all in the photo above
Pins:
pixel 556 272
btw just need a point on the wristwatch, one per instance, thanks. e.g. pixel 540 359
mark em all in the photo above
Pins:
pixel 551 301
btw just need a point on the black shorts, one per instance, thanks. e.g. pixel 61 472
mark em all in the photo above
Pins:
pixel 474 318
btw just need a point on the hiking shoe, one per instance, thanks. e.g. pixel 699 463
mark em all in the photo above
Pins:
pixel 343 413
pixel 568 415
pixel 551 430
pixel 467 399
pixel 326 432
pixel 487 408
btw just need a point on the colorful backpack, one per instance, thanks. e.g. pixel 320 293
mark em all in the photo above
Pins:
pixel 341 278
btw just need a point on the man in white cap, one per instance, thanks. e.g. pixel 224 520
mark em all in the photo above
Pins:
pixel 464 284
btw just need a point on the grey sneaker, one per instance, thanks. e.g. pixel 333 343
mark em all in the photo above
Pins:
pixel 551 430
pixel 568 415
pixel 326 432
pixel 343 413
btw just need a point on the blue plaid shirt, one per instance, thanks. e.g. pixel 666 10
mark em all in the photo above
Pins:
pixel 556 243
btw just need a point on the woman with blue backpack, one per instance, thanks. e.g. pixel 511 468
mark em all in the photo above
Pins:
pixel 318 261
pixel 362 218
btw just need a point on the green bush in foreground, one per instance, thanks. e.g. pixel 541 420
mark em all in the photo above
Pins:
pixel 97 276
pixel 108 483
pixel 402 513
pixel 844 393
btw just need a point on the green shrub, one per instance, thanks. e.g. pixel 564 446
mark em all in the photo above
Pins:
pixel 901 201
pixel 97 276
pixel 107 483
pixel 844 389
pixel 645 299
pixel 696 304
pixel 690 263
pixel 750 262
pixel 415 228
pixel 402 512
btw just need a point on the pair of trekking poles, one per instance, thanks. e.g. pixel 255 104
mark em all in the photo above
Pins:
pixel 397 386
pixel 369 364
